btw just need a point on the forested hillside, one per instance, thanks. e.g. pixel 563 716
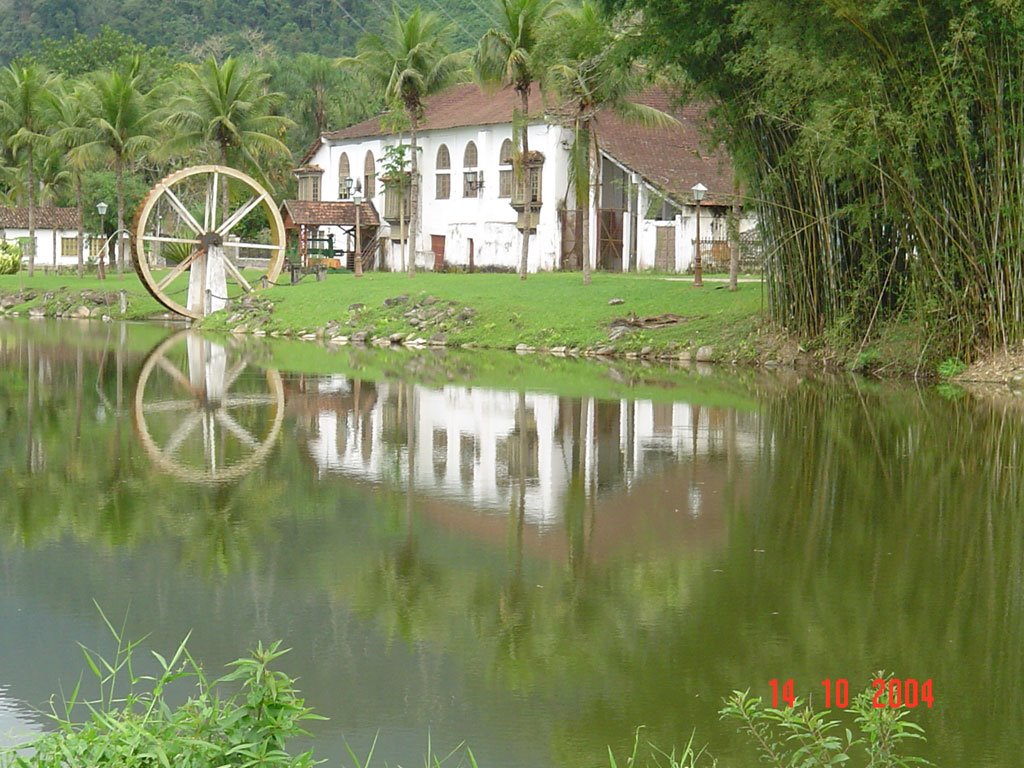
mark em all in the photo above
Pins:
pixel 198 28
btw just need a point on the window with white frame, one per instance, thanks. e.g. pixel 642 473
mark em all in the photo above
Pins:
pixel 505 169
pixel 443 183
pixel 469 163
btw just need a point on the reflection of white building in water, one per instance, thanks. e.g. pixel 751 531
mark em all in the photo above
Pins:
pixel 466 442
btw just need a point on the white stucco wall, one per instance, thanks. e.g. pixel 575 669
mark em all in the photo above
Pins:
pixel 488 220
pixel 48 243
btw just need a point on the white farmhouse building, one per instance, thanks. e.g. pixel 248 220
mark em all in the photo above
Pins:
pixel 56 233
pixel 472 206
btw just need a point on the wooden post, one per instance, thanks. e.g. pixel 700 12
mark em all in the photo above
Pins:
pixel 358 266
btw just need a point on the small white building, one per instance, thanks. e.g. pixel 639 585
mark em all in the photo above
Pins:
pixel 472 208
pixel 56 234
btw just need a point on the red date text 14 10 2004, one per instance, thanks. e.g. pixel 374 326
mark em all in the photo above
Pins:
pixel 890 692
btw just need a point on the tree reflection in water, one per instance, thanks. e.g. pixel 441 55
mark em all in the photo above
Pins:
pixel 622 562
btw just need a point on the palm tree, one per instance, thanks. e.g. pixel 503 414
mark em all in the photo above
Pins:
pixel 507 56
pixel 410 61
pixel 226 114
pixel 70 124
pixel 122 121
pixel 590 72
pixel 22 91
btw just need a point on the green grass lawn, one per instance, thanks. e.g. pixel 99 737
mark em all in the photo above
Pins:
pixel 546 310
pixel 59 292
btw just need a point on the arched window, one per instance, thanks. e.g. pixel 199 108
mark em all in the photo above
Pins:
pixel 345 183
pixel 505 169
pixel 469 175
pixel 443 184
pixel 369 176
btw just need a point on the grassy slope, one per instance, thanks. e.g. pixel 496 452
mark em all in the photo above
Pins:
pixel 64 287
pixel 547 310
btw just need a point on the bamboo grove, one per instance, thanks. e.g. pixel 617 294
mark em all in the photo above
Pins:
pixel 883 143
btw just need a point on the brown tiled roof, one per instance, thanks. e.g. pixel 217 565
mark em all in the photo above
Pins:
pixel 304 170
pixel 456 107
pixel 674 158
pixel 340 213
pixel 45 218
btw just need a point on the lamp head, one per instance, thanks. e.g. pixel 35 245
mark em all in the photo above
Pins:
pixel 698 190
pixel 101 208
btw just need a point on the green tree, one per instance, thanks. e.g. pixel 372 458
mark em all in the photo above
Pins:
pixel 590 71
pixel 323 96
pixel 69 122
pixel 411 60
pixel 507 56
pixel 227 114
pixel 23 89
pixel 81 54
pixel 122 122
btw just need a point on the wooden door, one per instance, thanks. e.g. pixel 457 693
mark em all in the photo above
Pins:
pixel 609 245
pixel 665 249
pixel 437 246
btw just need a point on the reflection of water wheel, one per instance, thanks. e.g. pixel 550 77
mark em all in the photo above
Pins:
pixel 201 237
pixel 199 417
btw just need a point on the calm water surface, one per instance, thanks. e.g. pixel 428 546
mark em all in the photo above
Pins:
pixel 535 574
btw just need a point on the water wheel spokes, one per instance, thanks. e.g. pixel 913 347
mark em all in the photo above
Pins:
pixel 192 222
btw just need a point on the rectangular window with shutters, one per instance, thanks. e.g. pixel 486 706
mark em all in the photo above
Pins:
pixel 69 247
pixel 519 197
pixel 505 183
pixel 444 186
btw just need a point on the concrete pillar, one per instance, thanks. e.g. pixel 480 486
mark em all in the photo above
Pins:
pixel 641 212
pixel 627 225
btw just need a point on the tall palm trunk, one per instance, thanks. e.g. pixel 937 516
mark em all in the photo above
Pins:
pixel 80 205
pixel 414 194
pixel 225 195
pixel 31 214
pixel 592 179
pixel 119 169
pixel 527 182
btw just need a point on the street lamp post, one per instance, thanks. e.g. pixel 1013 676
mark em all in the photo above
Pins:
pixel 698 190
pixel 357 198
pixel 101 209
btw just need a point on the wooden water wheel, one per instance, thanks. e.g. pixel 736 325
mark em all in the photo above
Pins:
pixel 204 412
pixel 183 221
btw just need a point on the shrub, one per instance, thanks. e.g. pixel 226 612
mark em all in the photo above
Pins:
pixel 242 719
pixel 10 258
pixel 951 367
pixel 799 735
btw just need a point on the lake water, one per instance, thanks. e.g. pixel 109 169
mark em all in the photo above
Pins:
pixel 463 548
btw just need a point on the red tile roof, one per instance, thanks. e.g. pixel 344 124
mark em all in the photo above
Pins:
pixel 456 107
pixel 673 158
pixel 45 218
pixel 340 213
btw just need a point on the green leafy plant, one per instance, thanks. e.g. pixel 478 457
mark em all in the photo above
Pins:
pixel 801 736
pixel 10 258
pixel 647 754
pixel 951 367
pixel 244 718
